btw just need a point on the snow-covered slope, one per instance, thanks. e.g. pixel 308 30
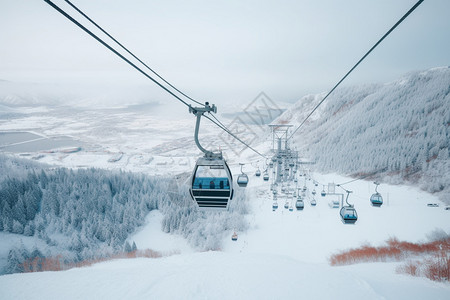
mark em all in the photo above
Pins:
pixel 398 129
pixel 279 254
pixel 283 255
pixel 216 275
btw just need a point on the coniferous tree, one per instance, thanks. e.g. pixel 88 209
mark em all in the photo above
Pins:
pixel 127 247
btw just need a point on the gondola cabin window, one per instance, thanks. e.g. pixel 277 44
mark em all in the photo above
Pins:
pixel 211 177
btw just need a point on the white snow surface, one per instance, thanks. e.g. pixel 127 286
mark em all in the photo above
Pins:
pixel 151 237
pixel 284 255
pixel 218 275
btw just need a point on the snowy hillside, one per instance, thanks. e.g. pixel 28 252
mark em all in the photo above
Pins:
pixel 399 130
pixel 126 183
pixel 281 255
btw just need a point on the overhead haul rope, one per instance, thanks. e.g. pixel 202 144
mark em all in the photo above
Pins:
pixel 232 134
pixel 223 127
pixel 218 123
pixel 113 50
pixel 129 52
pixel 363 177
pixel 365 55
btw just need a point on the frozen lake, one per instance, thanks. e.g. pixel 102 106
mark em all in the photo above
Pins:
pixel 22 141
pixel 8 138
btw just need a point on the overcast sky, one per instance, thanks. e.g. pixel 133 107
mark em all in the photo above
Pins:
pixel 225 50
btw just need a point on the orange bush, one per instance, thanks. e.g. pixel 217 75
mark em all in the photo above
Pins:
pixel 411 268
pixel 365 254
pixel 395 249
pixel 57 263
pixel 436 265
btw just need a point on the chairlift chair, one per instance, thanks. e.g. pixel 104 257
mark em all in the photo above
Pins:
pixel 322 193
pixel 299 204
pixel 376 199
pixel 242 179
pixel 348 212
pixel 334 204
pixel 211 185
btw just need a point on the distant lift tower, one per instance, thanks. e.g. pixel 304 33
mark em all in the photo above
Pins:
pixel 282 154
pixel 280 135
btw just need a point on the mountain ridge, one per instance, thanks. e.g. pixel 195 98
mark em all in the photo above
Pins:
pixel 399 130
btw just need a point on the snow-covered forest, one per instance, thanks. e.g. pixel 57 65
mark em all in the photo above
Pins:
pixel 66 214
pixel 89 213
pixel 398 130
